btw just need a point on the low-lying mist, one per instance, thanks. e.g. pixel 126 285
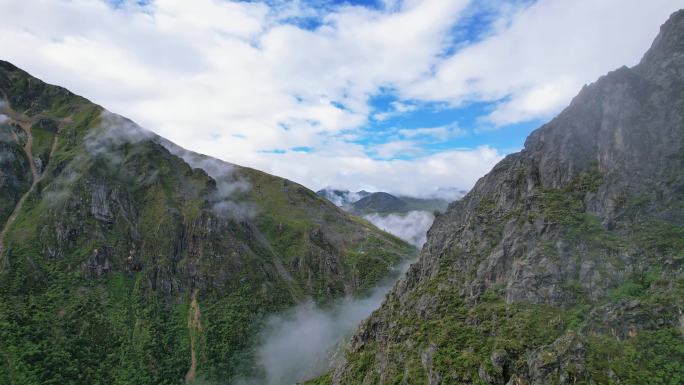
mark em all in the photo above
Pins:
pixel 411 227
pixel 223 202
pixel 305 341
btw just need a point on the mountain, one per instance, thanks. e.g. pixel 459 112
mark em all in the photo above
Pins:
pixel 380 202
pixel 565 263
pixel 127 259
pixel 408 218
pixel 384 203
pixel 364 202
pixel 342 198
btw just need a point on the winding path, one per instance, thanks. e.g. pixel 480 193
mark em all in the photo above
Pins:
pixel 28 149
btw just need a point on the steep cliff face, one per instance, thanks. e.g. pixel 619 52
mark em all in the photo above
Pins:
pixel 127 259
pixel 564 264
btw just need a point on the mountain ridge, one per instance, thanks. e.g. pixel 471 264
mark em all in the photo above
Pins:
pixel 406 217
pixel 380 202
pixel 565 263
pixel 127 259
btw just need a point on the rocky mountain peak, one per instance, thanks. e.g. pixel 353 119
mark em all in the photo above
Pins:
pixel 665 59
pixel 565 263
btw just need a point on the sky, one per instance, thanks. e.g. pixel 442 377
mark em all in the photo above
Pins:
pixel 410 97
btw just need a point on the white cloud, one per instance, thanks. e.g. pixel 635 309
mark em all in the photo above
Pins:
pixel 398 108
pixel 306 341
pixel 355 172
pixel 399 148
pixel 411 227
pixel 439 133
pixel 540 56
pixel 233 80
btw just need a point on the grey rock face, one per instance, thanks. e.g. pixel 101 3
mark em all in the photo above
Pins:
pixel 626 130
pixel 568 223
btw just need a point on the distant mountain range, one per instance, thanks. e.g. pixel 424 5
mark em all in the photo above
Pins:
pixel 364 202
pixel 409 218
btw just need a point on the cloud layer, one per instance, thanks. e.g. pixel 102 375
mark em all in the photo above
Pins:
pixel 305 341
pixel 411 227
pixel 288 87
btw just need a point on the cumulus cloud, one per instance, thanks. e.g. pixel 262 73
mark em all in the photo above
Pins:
pixel 411 227
pixel 539 56
pixel 398 108
pixel 415 177
pixel 305 341
pixel 398 148
pixel 237 80
pixel 232 79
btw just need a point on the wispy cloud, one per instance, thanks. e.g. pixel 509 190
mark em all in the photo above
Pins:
pixel 397 149
pixel 439 133
pixel 411 227
pixel 538 55
pixel 398 109
pixel 306 340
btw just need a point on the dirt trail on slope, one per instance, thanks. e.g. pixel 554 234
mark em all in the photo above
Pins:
pixel 28 149
pixel 194 326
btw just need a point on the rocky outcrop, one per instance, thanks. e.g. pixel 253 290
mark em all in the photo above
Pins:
pixel 564 263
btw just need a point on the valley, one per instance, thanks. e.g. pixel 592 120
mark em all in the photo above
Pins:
pixel 126 258
pixel 163 263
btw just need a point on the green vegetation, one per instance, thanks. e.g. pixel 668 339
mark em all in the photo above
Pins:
pixel 464 338
pixel 16 170
pixel 652 357
pixel 325 379
pixel 483 339
pixel 94 333
pixel 118 271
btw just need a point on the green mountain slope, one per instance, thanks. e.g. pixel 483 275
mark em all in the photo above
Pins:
pixel 125 259
pixel 563 265
pixel 384 203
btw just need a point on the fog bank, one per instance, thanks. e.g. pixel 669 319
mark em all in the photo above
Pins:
pixel 305 341
pixel 411 227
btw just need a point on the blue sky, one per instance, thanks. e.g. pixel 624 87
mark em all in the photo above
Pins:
pixel 468 118
pixel 474 25
pixel 405 96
